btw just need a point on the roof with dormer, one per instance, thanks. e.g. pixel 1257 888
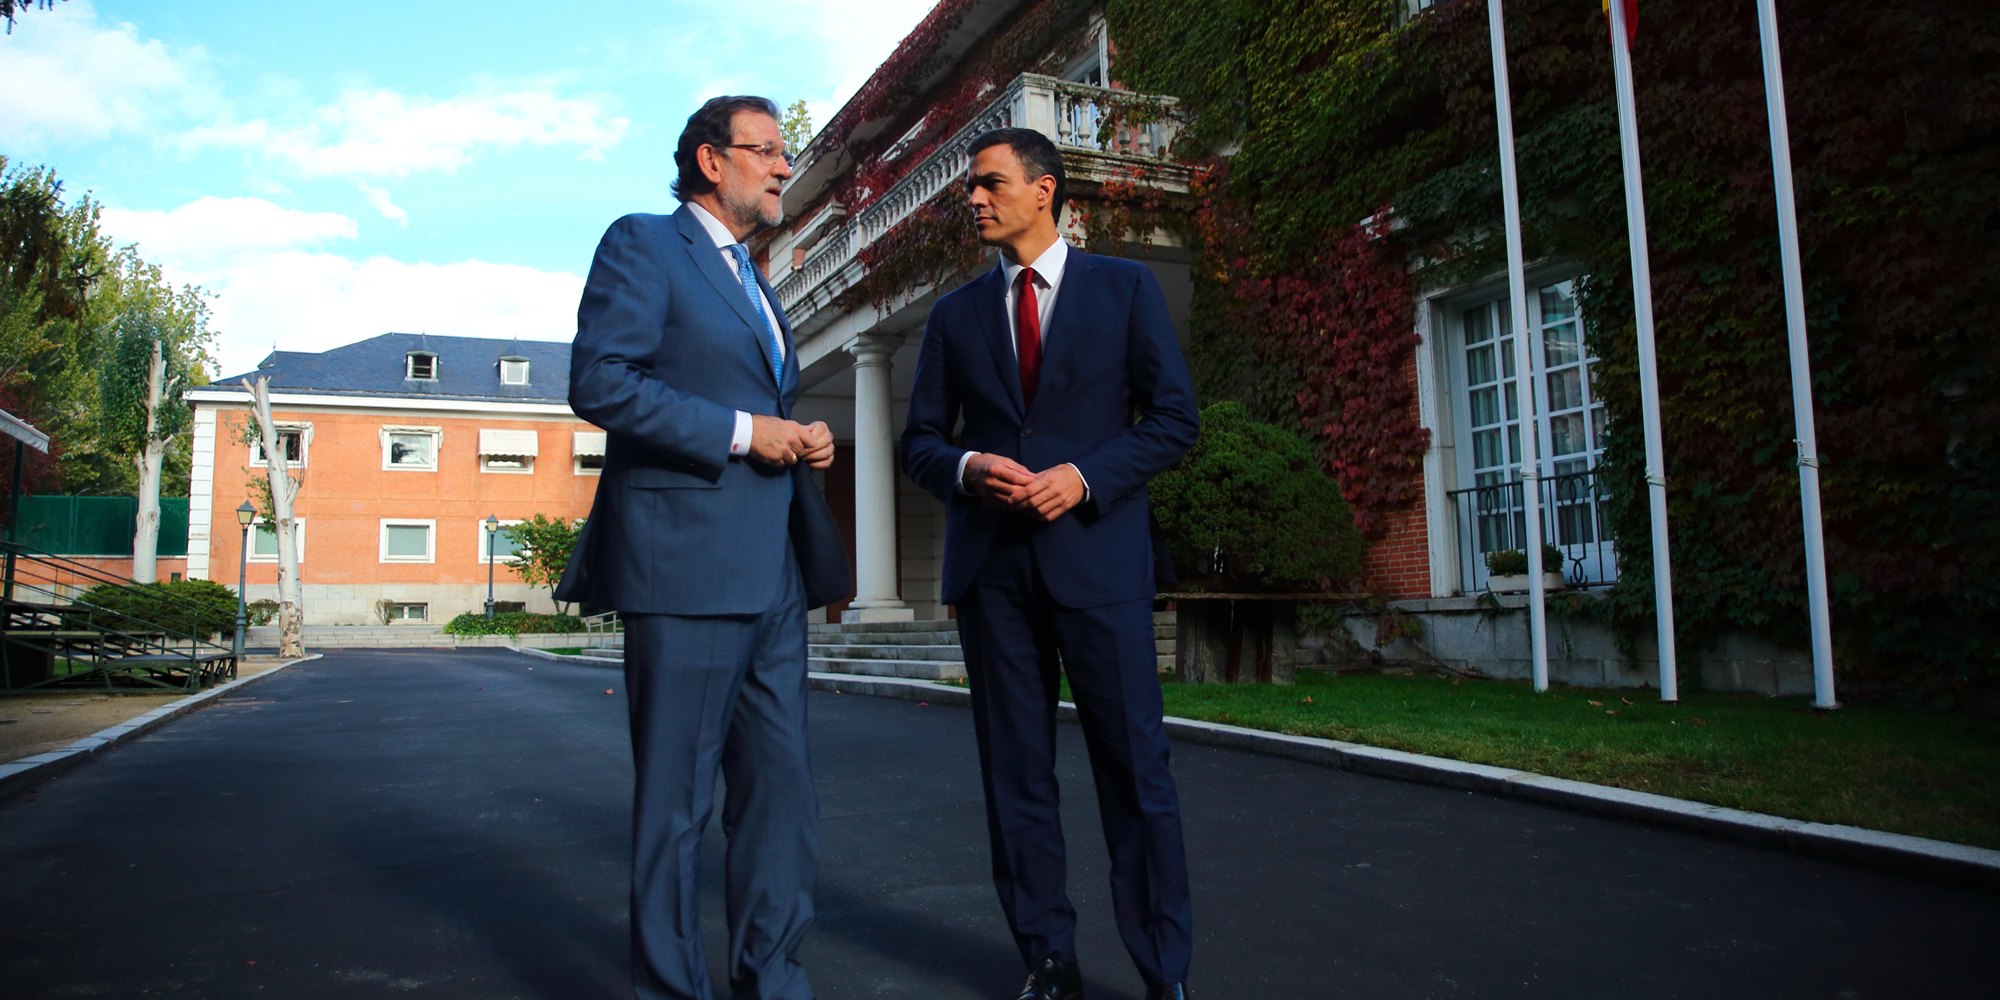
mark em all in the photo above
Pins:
pixel 467 368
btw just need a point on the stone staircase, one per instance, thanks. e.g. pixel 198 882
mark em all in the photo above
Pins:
pixel 926 650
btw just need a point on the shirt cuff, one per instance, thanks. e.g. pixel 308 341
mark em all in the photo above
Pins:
pixel 739 442
pixel 1080 479
pixel 958 482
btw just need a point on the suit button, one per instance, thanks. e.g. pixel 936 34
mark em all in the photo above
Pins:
pixel 1027 432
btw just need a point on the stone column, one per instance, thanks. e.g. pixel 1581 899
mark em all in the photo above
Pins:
pixel 876 598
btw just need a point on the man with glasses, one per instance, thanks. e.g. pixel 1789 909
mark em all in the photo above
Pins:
pixel 711 540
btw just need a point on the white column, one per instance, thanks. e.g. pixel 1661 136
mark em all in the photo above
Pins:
pixel 876 598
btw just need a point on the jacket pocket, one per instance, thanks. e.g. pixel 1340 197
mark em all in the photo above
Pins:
pixel 648 477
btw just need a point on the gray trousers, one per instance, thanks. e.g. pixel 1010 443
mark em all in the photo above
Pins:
pixel 723 693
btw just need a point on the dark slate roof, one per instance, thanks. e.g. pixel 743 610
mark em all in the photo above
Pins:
pixel 467 368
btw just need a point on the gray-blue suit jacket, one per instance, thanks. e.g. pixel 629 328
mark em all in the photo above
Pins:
pixel 667 350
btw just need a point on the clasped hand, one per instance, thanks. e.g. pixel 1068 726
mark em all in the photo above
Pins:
pixel 1008 485
pixel 778 442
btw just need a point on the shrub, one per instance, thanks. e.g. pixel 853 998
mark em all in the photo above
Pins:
pixel 1514 562
pixel 511 623
pixel 182 607
pixel 1249 508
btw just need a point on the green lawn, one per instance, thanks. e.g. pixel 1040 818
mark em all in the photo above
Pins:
pixel 1870 767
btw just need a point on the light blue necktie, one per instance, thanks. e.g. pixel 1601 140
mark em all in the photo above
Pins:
pixel 750 290
pixel 746 274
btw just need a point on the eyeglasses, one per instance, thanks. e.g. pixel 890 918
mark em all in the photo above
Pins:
pixel 763 151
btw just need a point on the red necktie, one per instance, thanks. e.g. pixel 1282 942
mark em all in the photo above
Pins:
pixel 1028 331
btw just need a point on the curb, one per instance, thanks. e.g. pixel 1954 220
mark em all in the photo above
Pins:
pixel 1893 852
pixel 595 661
pixel 28 771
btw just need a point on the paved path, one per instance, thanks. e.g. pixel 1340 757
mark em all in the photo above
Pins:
pixel 447 824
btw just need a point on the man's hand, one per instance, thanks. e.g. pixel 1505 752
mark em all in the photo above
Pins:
pixel 997 479
pixel 778 442
pixel 819 445
pixel 1052 494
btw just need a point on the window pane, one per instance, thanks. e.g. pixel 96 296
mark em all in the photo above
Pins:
pixel 406 540
pixel 263 540
pixel 500 462
pixel 1486 449
pixel 1565 389
pixel 1485 406
pixel 590 462
pixel 505 545
pixel 1507 357
pixel 1479 365
pixel 1560 345
pixel 1597 426
pixel 1478 325
pixel 1557 303
pixel 1566 434
pixel 514 372
pixel 1513 399
pixel 409 449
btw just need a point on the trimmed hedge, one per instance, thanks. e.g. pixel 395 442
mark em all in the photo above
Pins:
pixel 511 623
pixel 183 607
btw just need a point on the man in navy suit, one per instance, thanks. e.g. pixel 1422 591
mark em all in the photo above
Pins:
pixel 710 539
pixel 1064 368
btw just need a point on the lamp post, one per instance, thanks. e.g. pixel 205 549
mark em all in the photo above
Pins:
pixel 492 527
pixel 244 515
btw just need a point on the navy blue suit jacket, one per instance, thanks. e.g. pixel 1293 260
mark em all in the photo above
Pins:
pixel 1113 399
pixel 667 350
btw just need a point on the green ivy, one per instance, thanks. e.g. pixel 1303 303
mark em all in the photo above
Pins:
pixel 1330 109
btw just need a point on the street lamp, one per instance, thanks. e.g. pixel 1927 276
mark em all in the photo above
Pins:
pixel 244 515
pixel 492 527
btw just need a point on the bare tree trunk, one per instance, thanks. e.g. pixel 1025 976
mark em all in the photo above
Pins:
pixel 146 534
pixel 291 606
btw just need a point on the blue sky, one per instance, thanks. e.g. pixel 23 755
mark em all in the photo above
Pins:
pixel 332 172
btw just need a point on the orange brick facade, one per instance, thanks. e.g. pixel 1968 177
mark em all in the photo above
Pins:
pixel 1398 564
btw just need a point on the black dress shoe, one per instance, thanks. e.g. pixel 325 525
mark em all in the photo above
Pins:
pixel 1054 980
pixel 1171 991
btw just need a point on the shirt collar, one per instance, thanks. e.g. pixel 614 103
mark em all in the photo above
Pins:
pixel 716 230
pixel 1048 267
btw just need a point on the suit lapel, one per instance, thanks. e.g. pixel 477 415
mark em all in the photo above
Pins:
pixel 989 302
pixel 708 259
pixel 1059 340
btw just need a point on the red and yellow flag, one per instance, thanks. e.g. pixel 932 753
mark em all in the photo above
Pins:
pixel 1631 18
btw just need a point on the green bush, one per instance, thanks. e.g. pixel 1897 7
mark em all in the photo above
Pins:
pixel 182 607
pixel 1514 562
pixel 1249 509
pixel 511 623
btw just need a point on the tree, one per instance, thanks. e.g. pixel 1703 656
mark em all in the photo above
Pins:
pixel 291 605
pixel 8 8
pixel 152 337
pixel 546 543
pixel 797 128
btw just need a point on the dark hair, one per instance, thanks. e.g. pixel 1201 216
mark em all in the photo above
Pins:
pixel 713 125
pixel 1039 158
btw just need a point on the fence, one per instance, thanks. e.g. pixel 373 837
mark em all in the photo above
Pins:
pixel 1494 518
pixel 96 526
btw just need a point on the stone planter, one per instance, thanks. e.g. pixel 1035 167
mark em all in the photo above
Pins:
pixel 1517 583
pixel 1234 638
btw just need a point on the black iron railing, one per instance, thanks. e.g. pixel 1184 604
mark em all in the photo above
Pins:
pixel 1495 518
pixel 67 624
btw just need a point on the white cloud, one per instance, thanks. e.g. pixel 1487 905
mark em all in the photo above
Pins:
pixel 209 233
pixel 65 76
pixel 382 133
pixel 276 284
pixel 379 200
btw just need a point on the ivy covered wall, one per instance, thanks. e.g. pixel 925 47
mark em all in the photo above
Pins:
pixel 1334 111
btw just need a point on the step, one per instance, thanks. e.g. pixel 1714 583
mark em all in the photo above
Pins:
pixel 915 626
pixel 935 670
pixel 885 652
pixel 884 638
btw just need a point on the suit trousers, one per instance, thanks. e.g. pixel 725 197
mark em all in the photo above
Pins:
pixel 1017 641
pixel 722 693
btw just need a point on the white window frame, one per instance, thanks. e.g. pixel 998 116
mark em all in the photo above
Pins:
pixel 303 430
pixel 382 540
pixel 298 541
pixel 480 534
pixel 410 366
pixel 396 619
pixel 526 371
pixel 389 431
pixel 576 460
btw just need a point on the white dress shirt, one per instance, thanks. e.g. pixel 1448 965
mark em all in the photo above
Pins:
pixel 739 442
pixel 1048 284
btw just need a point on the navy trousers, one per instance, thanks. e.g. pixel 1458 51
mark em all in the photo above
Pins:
pixel 1017 641
pixel 728 694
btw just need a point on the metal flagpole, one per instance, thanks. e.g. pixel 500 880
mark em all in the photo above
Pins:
pixel 1649 370
pixel 1795 326
pixel 1524 384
